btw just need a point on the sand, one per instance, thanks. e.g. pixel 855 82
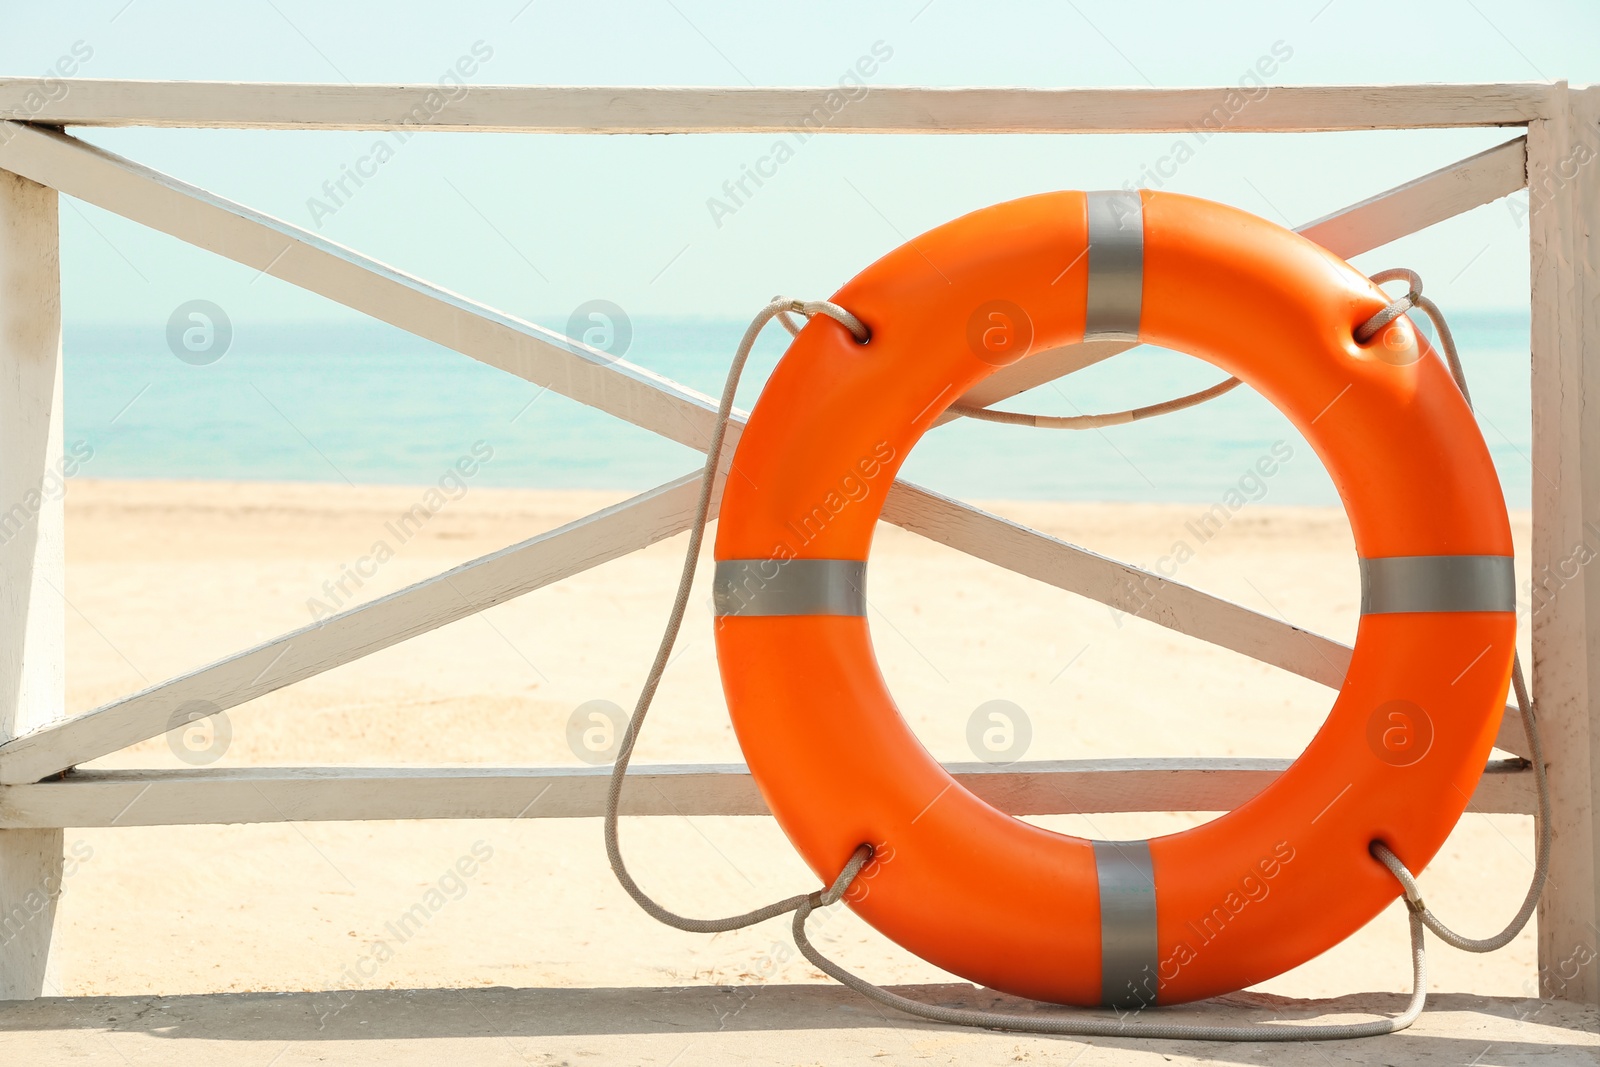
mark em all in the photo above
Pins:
pixel 165 576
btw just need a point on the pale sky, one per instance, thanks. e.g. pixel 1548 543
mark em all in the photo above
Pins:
pixel 539 224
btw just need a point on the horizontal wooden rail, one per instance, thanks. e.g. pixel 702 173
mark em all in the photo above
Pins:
pixel 329 794
pixel 873 109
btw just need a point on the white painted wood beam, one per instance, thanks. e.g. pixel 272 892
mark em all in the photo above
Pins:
pixel 32 573
pixel 671 109
pixel 1564 246
pixel 312 794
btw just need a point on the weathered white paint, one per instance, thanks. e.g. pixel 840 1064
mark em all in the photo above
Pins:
pixel 310 794
pixel 1565 253
pixel 32 609
pixel 670 109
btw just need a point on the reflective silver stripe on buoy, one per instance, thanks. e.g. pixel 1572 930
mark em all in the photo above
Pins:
pixel 1116 266
pixel 1128 948
pixel 790 587
pixel 1394 584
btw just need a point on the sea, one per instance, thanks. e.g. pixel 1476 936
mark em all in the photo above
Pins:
pixel 360 402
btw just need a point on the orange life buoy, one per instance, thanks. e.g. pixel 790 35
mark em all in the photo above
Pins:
pixel 999 901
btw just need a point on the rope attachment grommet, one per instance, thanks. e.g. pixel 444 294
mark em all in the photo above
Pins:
pixel 1412 298
pixel 809 308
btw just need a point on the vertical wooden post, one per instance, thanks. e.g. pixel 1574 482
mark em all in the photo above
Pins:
pixel 32 609
pixel 1585 269
pixel 1564 193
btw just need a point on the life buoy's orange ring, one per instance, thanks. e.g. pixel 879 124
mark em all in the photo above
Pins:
pixel 1013 906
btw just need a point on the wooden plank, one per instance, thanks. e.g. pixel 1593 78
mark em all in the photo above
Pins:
pixel 539 561
pixel 1134 591
pixel 1584 272
pixel 317 794
pixel 1445 193
pixel 32 461
pixel 1118 585
pixel 1564 254
pixel 626 527
pixel 303 258
pixel 1374 222
pixel 32 574
pixel 671 109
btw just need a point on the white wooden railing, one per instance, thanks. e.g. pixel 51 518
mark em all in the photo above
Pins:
pixel 39 741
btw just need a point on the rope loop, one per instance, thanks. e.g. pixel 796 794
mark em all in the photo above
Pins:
pixel 1412 298
pixel 824 898
pixel 1409 889
pixel 808 308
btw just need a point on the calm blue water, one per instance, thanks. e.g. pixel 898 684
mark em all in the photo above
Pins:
pixel 369 404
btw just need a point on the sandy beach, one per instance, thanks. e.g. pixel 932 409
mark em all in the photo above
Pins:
pixel 165 576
